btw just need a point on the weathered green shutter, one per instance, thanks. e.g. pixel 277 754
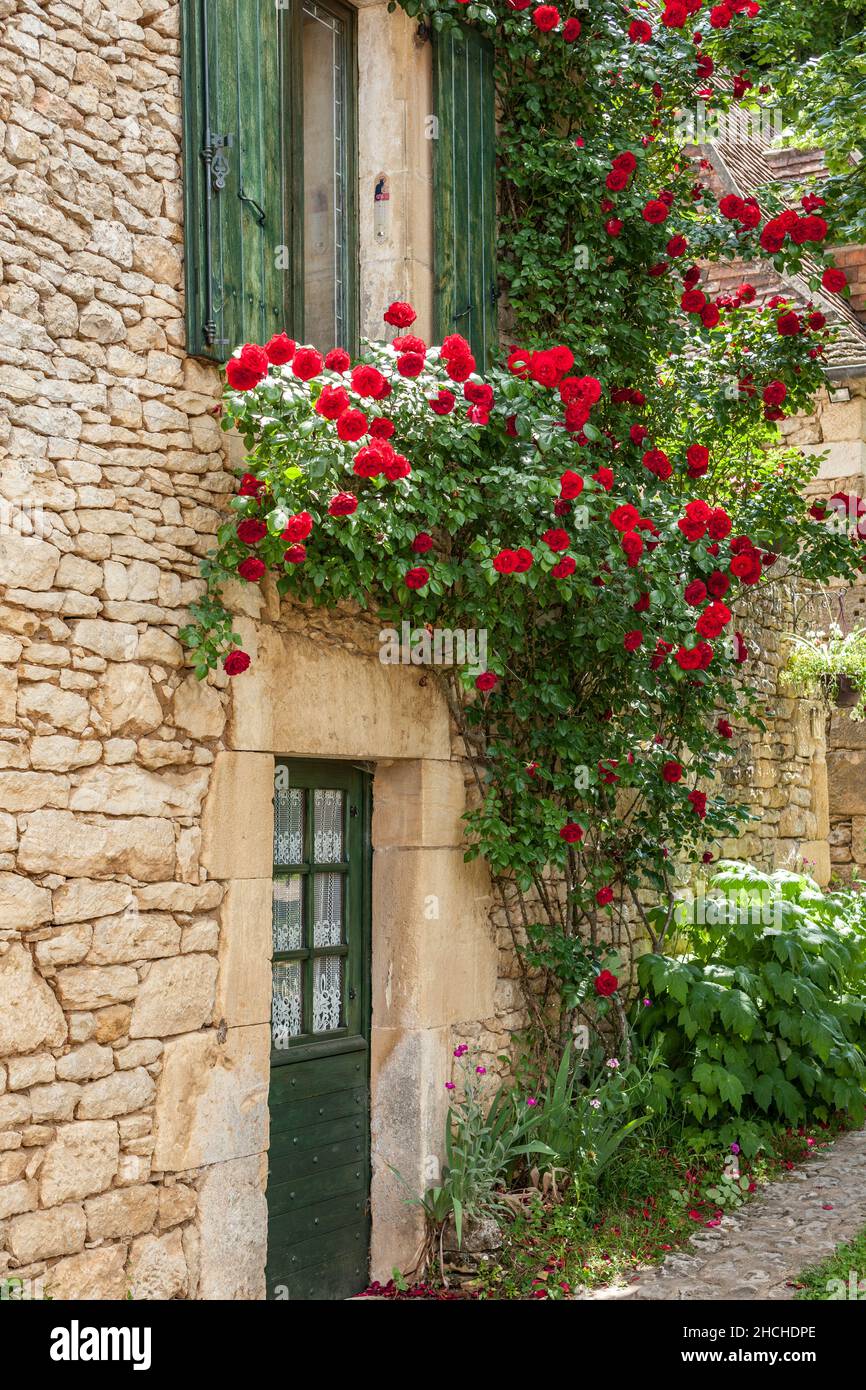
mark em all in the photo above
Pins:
pixel 464 186
pixel 237 172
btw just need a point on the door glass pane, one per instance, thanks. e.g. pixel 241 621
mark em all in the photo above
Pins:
pixel 288 826
pixel 328 827
pixel 288 920
pixel 325 230
pixel 327 910
pixel 286 1006
pixel 327 993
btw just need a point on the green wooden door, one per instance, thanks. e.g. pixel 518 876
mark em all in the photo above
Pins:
pixel 464 189
pixel 319 1154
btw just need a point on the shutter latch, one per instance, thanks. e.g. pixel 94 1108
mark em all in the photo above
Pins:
pixel 219 162
pixel 257 208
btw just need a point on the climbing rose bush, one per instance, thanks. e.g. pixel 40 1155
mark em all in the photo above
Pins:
pixel 598 502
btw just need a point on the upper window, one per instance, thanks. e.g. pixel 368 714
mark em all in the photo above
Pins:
pixel 269 173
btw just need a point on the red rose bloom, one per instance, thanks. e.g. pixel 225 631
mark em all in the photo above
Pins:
pixel 407 342
pixel 411 364
pixel 642 604
pixel 251 486
pixel 747 567
pixel 775 393
pixel 625 518
pixel 235 661
pixel 564 567
pixel 632 547
pixel 505 562
pixel 400 315
pixel 422 543
pixel 719 525
pixel 699 803
pixel 338 360
pixel 710 315
pixel 251 569
pixel 605 982
pixel 545 18
pixel 488 680
pixel 695 593
pixel 633 640
pixel 460 368
pixel 455 346
pixel 444 403
pixel 295 555
pixel 713 620
pixel 571 832
pixel 247 368
pixel 367 381
pixel 343 504
pixel 381 427
pixel 617 180
pixel 307 363
pixel 251 531
pixel 657 461
pixel 693 301
pixel 613 226
pixel 672 771
pixel 571 30
pixel 604 478
pixel 725 729
pixel 352 425
pixel 332 402
pixel 299 527
pixel 280 349
pixel 639 31
pixel 834 279
pixel 556 539
pixel 570 485
pixel 603 897
pixel 789 324
pixel 418 577
pixel 655 211
pixel 677 246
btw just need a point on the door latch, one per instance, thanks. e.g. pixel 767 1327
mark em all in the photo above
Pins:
pixel 219 161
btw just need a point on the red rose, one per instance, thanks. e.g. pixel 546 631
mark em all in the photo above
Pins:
pixel 789 324
pixel 338 360
pixel 834 279
pixel 613 226
pixel 639 31
pixel 251 486
pixel 381 427
pixel 710 315
pixel 642 604
pixel 699 803
pixel 251 569
pixel 725 729
pixel 747 567
pixel 295 555
pixel 720 17
pixel 604 478
pixel 367 381
pixel 571 30
pixel 657 461
pixel 556 539
pixel 672 771
pixel 719 525
pixel 655 211
pixel 617 180
pixel 713 619
pixel 460 368
pixel 251 531
pixel 564 567
pixel 488 680
pixel 638 433
pixel 307 363
pixel 695 593
pixel 570 485
pixel 280 349
pixel 545 18
pixel 343 504
pixel 741 651
pixel 235 661
pixel 455 346
pixel 731 206
pixel 247 368
pixel 400 315
pixel 632 548
pixel 299 527
pixel 407 342
pixel 693 301
pixel 633 640
pixel 775 393
pixel 697 460
pixel 418 577
pixel 606 983
pixel 397 466
pixel 677 246
pixel 505 562
pixel 444 403
pixel 411 364
pixel 332 402
pixel 422 543
pixel 625 517
pixel 571 832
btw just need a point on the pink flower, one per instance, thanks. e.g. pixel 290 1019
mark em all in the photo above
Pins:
pixel 530 1100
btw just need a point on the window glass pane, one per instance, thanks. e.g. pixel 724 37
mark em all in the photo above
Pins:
pixel 286 1006
pixel 288 917
pixel 327 993
pixel 328 827
pixel 288 826
pixel 328 910
pixel 325 229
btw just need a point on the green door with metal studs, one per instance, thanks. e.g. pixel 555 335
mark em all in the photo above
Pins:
pixel 319 1155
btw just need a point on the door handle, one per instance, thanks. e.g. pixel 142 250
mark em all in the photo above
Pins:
pixel 260 212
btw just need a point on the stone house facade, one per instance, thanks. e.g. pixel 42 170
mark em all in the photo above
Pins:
pixel 138 887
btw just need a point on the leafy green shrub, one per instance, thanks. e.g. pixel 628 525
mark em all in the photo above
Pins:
pixel 762 1020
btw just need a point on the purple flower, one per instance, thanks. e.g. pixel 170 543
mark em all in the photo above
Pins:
pixel 481 1071
pixel 595 1103
pixel 530 1100
pixel 647 1003
pixel 612 1063
pixel 449 1085
pixel 735 1148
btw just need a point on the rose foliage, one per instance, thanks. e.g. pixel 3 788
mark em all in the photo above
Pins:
pixel 596 502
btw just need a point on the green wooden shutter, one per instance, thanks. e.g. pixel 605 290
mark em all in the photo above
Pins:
pixel 237 173
pixel 464 187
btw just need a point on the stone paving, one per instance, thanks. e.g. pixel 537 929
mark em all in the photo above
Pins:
pixel 759 1251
